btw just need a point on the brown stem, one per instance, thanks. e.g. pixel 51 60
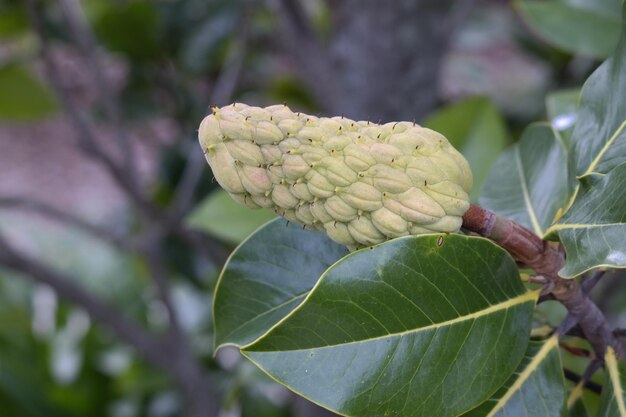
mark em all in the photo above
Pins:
pixel 530 250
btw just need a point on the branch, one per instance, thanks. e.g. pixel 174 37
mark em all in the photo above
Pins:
pixel 312 58
pixel 88 45
pixel 533 252
pixel 119 241
pixel 149 346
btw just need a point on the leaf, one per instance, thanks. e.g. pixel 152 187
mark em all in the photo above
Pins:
pixel 599 137
pixel 592 231
pixel 562 106
pixel 535 389
pixel 22 96
pixel 220 216
pixel 266 277
pixel 417 326
pixel 132 28
pixel 575 404
pixel 613 399
pixel 589 28
pixel 528 183
pixel 476 128
pixel 593 228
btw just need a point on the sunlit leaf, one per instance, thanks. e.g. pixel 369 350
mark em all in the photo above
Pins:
pixel 220 216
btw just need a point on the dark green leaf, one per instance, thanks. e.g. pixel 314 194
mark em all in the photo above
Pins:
pixel 131 28
pixel 599 137
pixel 22 96
pixel 535 389
pixel 222 217
pixel 266 277
pixel 417 326
pixel 476 128
pixel 613 400
pixel 593 227
pixel 588 28
pixel 592 231
pixel 528 183
pixel 13 19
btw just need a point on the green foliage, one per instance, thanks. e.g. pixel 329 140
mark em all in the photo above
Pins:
pixel 528 182
pixel 588 28
pixel 222 217
pixel 131 28
pixel 595 237
pixel 436 325
pixel 535 389
pixel 613 400
pixel 268 276
pixel 22 96
pixel 402 322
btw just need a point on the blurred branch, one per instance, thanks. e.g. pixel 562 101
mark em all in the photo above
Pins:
pixel 77 117
pixel 589 281
pixel 148 345
pixel 88 45
pixel 222 92
pixel 68 219
pixel 89 144
pixel 312 58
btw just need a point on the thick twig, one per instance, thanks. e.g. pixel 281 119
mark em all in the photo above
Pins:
pixel 533 252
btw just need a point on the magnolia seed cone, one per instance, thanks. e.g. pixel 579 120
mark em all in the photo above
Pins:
pixel 361 182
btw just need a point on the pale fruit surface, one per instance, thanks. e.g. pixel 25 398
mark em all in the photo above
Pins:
pixel 361 182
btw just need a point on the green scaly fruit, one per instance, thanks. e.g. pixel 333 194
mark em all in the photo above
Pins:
pixel 362 182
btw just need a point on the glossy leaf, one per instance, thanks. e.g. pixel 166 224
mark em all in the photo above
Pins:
pixel 222 217
pixel 562 107
pixel 599 137
pixel 535 389
pixel 613 400
pixel 476 128
pixel 22 96
pixel 266 277
pixel 589 28
pixel 394 330
pixel 528 183
pixel 593 230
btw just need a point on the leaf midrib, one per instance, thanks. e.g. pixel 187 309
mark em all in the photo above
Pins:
pixel 511 302
pixel 618 390
pixel 524 375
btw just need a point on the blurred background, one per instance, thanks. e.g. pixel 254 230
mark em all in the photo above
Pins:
pixel 112 230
